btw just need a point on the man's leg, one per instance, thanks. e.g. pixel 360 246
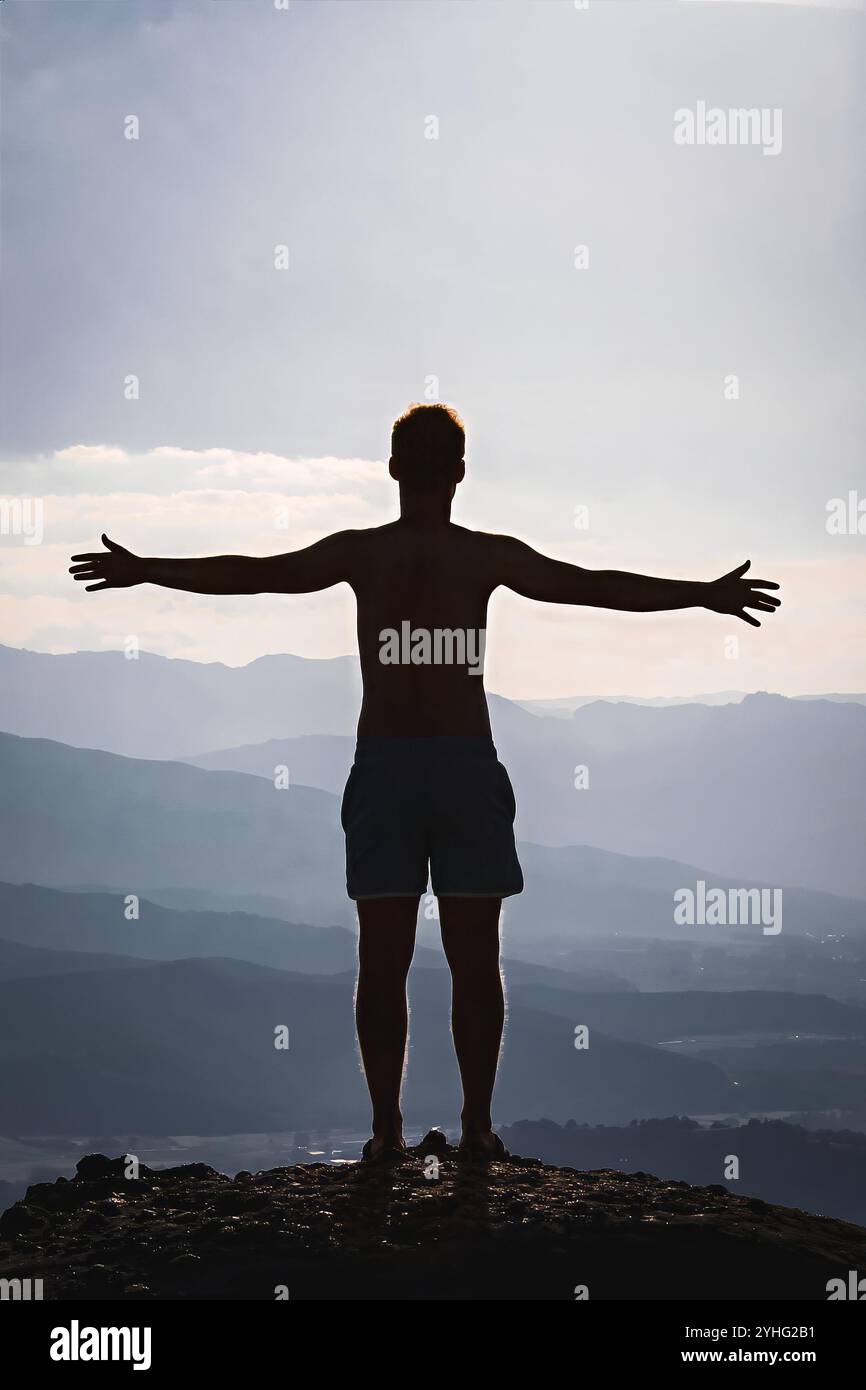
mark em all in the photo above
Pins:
pixel 385 947
pixel 470 936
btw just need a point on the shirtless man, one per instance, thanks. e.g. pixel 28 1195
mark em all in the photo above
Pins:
pixel 426 787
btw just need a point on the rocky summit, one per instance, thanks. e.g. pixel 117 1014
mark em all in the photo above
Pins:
pixel 430 1227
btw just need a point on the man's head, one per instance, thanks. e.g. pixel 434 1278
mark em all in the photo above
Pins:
pixel 427 444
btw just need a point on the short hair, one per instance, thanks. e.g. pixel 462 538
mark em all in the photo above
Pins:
pixel 428 434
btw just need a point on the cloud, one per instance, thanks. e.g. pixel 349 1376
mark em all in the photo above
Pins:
pixel 170 468
pixel 91 453
pixel 265 469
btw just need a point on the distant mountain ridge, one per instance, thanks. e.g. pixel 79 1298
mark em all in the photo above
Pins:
pixel 563 707
pixel 166 707
pixel 59 923
pixel 187 1046
pixel 48 932
pixel 769 789
pixel 75 815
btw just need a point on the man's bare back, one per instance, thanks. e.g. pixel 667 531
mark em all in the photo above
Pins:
pixel 413 581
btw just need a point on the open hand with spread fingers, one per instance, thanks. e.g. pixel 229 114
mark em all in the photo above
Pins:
pixel 734 594
pixel 112 568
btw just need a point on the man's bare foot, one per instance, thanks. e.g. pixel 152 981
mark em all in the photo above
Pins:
pixel 481 1146
pixel 384 1148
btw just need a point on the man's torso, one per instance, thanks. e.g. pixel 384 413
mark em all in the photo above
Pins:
pixel 422 597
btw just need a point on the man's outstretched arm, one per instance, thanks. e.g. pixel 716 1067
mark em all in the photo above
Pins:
pixel 524 570
pixel 317 566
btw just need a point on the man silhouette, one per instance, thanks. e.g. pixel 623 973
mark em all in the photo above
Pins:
pixel 426 787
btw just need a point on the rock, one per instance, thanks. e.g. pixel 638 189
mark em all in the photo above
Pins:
pixel 96 1167
pixel 511 1230
pixel 434 1142
pixel 19 1219
pixel 94 1221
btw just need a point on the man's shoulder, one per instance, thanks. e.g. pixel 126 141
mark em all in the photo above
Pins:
pixel 494 545
pixel 461 538
pixel 490 540
pixel 357 537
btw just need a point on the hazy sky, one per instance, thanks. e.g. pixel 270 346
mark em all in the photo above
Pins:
pixel 266 394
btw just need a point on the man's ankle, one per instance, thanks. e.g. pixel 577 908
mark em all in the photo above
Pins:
pixel 476 1125
pixel 390 1127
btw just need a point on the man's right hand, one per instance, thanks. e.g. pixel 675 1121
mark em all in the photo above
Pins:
pixel 734 594
pixel 112 568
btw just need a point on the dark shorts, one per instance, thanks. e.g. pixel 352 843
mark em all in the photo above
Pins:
pixel 443 802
